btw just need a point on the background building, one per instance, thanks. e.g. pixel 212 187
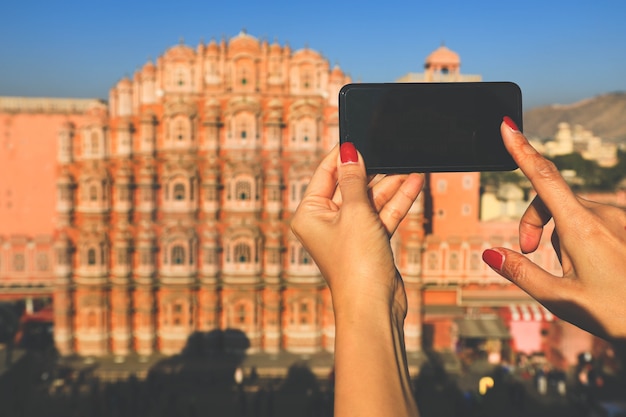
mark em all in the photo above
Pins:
pixel 29 130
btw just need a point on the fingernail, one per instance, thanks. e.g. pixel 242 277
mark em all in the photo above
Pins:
pixel 348 154
pixel 493 258
pixel 510 123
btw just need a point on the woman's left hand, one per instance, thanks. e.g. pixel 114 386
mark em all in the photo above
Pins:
pixel 345 221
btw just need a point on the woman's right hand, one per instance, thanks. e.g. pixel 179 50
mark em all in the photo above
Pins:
pixel 589 239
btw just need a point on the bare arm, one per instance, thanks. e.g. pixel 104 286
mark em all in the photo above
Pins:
pixel 345 226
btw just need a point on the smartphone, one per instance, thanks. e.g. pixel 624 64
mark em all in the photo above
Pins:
pixel 429 127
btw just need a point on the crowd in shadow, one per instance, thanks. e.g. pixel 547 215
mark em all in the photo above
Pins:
pixel 208 378
pixel 486 390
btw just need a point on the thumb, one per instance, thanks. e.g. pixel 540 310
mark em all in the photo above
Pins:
pixel 517 268
pixel 351 175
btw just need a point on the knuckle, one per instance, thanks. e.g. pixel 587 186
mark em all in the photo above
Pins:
pixel 395 214
pixel 349 177
pixel 545 168
pixel 514 269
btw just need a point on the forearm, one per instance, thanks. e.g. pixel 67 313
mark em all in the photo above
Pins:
pixel 372 377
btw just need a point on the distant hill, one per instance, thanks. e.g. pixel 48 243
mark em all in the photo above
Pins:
pixel 604 115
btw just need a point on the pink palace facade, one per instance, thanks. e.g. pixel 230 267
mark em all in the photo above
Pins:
pixel 171 206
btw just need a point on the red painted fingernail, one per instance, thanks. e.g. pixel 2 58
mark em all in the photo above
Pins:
pixel 493 258
pixel 348 154
pixel 510 123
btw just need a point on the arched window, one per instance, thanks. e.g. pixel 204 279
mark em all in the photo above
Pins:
pixel 179 130
pixel 413 256
pixel 475 262
pixel 178 314
pixel 42 261
pixel 243 190
pixel 242 253
pixel 122 256
pixel 243 76
pixel 18 262
pixel 179 192
pixel 305 313
pixel 305 131
pixel 304 258
pixel 244 130
pixel 306 79
pixel 95 143
pixel 241 314
pixel 298 188
pixel 91 256
pixel 433 261
pixel 178 255
pixel 180 77
pixel 92 320
pixel 93 193
pixel 454 261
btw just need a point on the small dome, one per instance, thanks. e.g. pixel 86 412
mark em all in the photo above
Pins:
pixel 212 47
pixel 336 73
pixel 125 82
pixel 149 68
pixel 180 51
pixel 244 41
pixel 275 48
pixel 305 54
pixel 443 56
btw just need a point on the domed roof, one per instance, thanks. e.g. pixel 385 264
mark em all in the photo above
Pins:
pixel 275 48
pixel 149 68
pixel 180 51
pixel 212 47
pixel 244 41
pixel 336 73
pixel 306 54
pixel 125 82
pixel 443 56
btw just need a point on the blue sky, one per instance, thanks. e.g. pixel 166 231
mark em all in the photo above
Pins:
pixel 557 51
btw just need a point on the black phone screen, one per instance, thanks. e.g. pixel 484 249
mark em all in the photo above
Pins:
pixel 429 127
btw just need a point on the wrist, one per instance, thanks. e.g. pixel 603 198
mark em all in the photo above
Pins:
pixel 369 316
pixel 380 298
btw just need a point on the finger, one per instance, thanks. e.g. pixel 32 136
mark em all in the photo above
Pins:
pixel 375 179
pixel 384 189
pixel 527 275
pixel 399 205
pixel 542 173
pixel 351 176
pixel 531 225
pixel 324 180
